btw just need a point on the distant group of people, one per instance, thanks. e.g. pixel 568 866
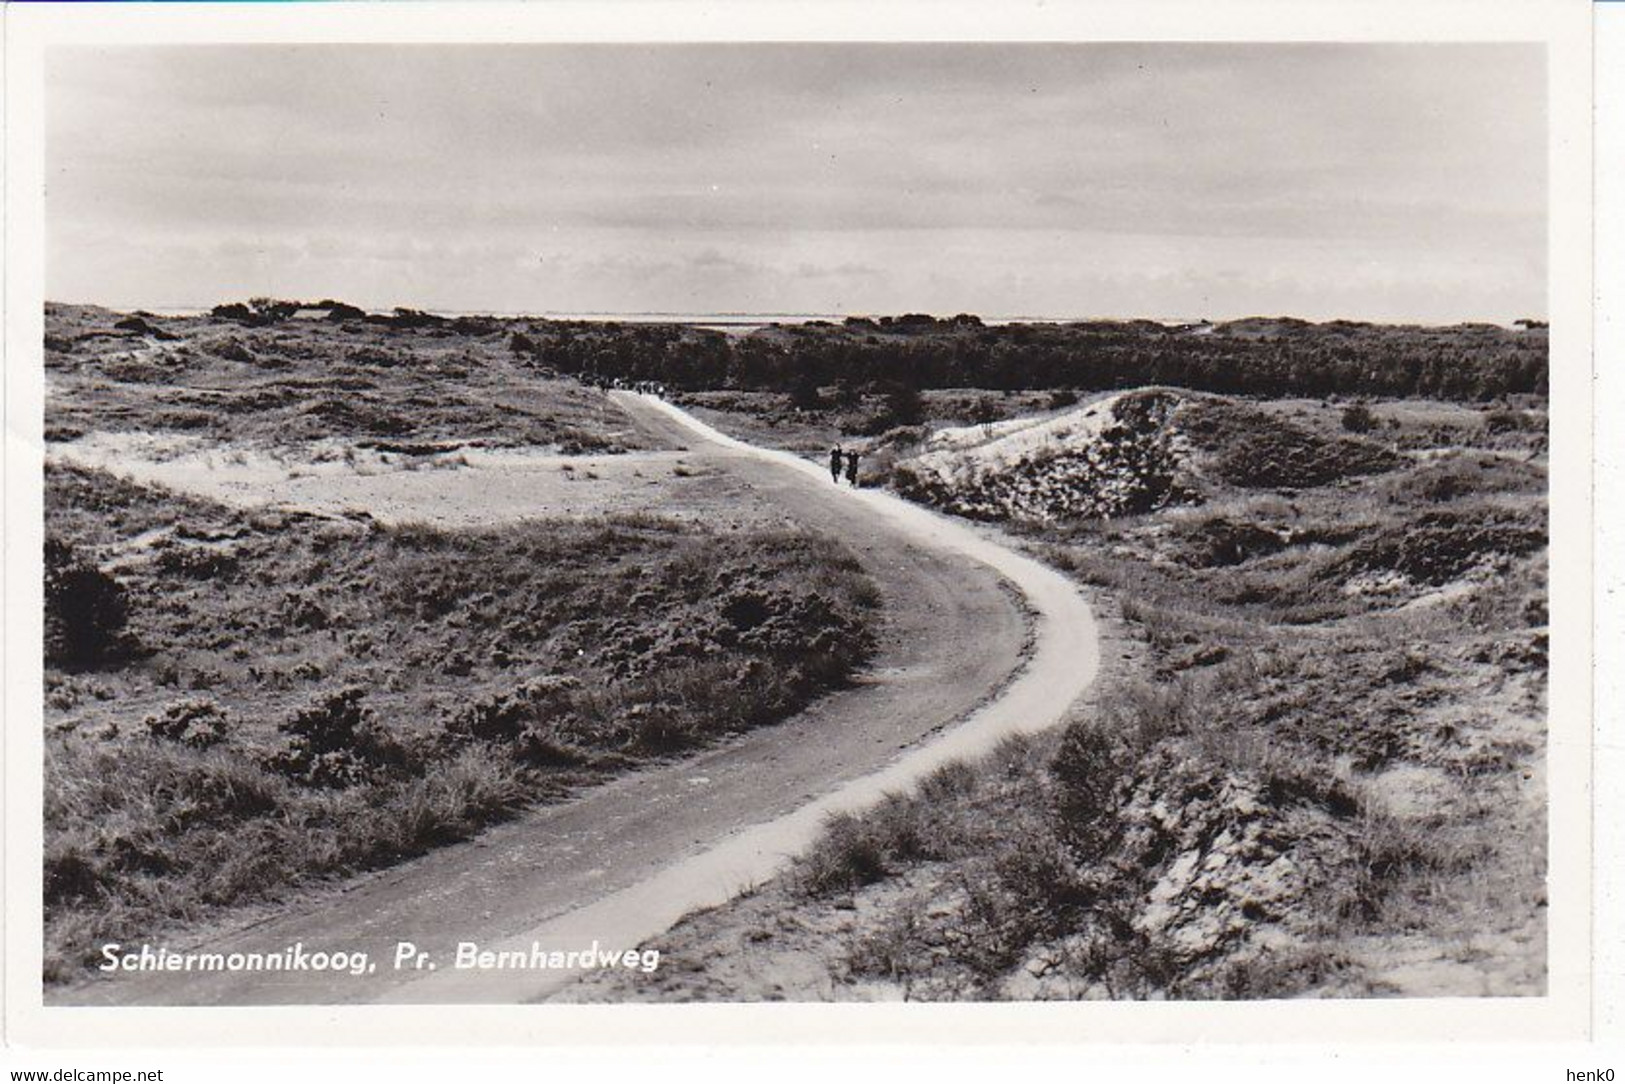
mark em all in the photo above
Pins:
pixel 842 461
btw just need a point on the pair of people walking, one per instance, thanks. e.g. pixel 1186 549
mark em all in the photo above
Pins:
pixel 839 461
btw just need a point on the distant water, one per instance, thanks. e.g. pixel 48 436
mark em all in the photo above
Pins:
pixel 732 322
pixel 728 321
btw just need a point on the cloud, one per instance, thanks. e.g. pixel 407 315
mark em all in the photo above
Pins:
pixel 1019 177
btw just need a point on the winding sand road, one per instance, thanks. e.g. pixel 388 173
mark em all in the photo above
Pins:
pixel 960 665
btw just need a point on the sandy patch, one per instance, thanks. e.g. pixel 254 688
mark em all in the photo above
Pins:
pixel 999 446
pixel 458 487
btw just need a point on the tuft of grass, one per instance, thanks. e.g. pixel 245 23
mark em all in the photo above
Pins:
pixel 175 832
pixel 896 950
pixel 1395 860
pixel 945 817
pixel 849 854
pixel 1276 974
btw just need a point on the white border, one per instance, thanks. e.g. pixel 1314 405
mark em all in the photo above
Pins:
pixel 1608 959
pixel 1565 1012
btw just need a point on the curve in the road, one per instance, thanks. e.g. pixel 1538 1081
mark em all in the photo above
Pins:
pixel 960 665
pixel 1060 669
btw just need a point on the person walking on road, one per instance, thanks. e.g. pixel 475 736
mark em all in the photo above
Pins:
pixel 852 468
pixel 835 464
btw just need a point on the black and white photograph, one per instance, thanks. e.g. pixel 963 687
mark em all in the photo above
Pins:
pixel 610 522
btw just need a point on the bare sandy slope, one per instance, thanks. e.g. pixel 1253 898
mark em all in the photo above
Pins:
pixel 460 489
pixel 962 662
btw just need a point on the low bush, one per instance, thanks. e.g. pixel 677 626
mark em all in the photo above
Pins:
pixel 1509 421
pixel 1437 547
pixel 86 610
pixel 1024 892
pixel 1086 768
pixel 1254 449
pixel 337 742
pixel 1234 830
pixel 1219 542
pixel 140 834
pixel 848 855
pixel 195 723
pixel 438 681
pixel 1357 418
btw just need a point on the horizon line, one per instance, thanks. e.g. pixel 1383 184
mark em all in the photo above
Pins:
pixel 713 317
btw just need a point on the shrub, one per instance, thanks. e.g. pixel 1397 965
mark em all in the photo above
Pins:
pixel 804 393
pixel 271 309
pixel 230 350
pixel 71 874
pixel 1507 421
pixel 1357 418
pixel 338 311
pixel 954 780
pixel 984 412
pixel 140 327
pixel 196 723
pixel 1275 974
pixel 337 742
pixel 904 406
pixel 469 791
pixel 1027 890
pixel 896 950
pixel 900 405
pixel 198 562
pixel 1437 547
pixel 408 319
pixel 1085 768
pixel 86 610
pixel 258 312
pixel 1389 851
pixel 235 310
pixel 1217 542
pixel 847 856
pixel 1145 714
pixel 1253 449
pixel 535 722
pixel 902 437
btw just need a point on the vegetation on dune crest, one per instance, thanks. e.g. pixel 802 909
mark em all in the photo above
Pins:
pixel 408 383
pixel 1154 449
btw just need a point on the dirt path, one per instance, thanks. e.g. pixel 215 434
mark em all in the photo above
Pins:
pixel 623 861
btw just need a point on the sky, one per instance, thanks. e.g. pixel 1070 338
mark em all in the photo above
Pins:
pixel 1384 182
